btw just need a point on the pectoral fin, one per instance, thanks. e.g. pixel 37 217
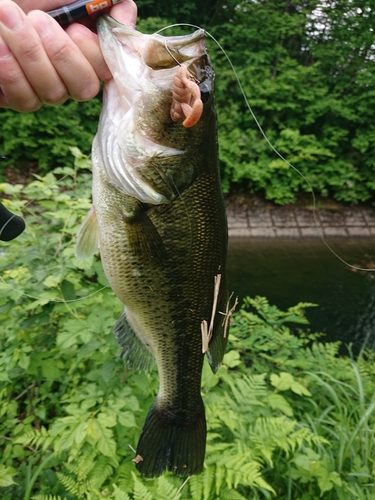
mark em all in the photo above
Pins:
pixel 144 238
pixel 88 236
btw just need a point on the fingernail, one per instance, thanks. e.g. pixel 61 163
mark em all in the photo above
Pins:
pixel 12 20
pixel 45 25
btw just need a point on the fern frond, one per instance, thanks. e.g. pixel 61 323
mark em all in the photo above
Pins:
pixel 196 487
pixel 83 464
pixel 226 494
pixel 141 492
pixel 249 390
pixel 74 468
pixel 269 433
pixel 165 489
pixel 101 471
pixel 37 438
pixel 208 479
pixel 119 494
pixel 219 479
pixel 72 485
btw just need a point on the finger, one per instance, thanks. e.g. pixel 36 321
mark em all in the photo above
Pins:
pixel 125 12
pixel 15 90
pixel 46 5
pixel 87 42
pixel 71 65
pixel 26 47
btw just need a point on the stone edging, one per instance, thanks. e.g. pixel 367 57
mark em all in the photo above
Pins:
pixel 282 222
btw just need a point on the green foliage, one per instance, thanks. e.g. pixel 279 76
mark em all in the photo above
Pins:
pixel 287 417
pixel 308 72
pixel 43 138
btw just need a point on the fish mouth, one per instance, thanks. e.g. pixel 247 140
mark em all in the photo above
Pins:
pixel 138 119
pixel 119 42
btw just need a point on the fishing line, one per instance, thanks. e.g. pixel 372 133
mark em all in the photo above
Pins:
pixel 317 224
pixel 55 300
pixel 50 300
pixel 314 210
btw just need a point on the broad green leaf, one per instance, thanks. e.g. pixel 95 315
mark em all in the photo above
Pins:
pixel 232 359
pixel 97 429
pixel 52 281
pixel 327 480
pixel 286 381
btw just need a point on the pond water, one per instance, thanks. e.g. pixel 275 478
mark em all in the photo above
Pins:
pixel 304 270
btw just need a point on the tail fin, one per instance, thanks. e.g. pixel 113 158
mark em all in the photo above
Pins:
pixel 170 443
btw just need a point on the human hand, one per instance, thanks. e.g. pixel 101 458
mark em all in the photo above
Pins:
pixel 41 63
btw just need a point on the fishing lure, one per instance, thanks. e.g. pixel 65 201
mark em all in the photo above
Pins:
pixel 187 100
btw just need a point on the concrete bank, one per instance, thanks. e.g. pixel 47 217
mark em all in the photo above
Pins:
pixel 283 222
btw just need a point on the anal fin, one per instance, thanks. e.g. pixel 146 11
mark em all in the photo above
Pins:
pixel 134 351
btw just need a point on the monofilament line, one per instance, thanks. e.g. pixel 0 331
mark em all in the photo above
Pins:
pixel 317 223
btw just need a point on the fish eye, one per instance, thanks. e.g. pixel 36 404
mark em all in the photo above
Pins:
pixel 205 92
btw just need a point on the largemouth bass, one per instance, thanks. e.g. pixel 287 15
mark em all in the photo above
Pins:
pixel 159 220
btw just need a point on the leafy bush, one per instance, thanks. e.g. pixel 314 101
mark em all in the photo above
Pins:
pixel 312 91
pixel 287 417
pixel 43 138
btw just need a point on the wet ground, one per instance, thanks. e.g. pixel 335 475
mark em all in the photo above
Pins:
pixel 295 222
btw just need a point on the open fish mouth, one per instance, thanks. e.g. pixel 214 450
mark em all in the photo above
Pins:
pixel 126 47
pixel 157 83
pixel 177 62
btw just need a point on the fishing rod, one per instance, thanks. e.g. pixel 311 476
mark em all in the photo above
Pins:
pixel 72 12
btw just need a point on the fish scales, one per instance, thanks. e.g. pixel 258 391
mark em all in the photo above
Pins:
pixel 159 220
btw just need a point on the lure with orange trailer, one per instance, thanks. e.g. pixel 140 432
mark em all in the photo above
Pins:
pixel 187 100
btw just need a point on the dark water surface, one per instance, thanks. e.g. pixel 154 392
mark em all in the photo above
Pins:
pixel 304 270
